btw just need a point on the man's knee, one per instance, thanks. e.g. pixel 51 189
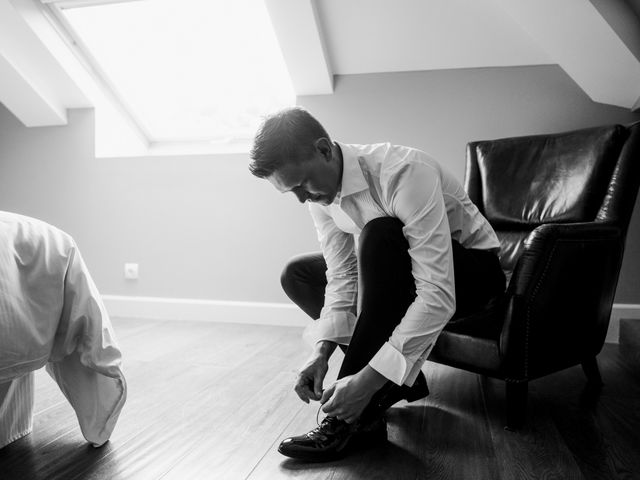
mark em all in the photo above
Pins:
pixel 290 273
pixel 301 269
pixel 383 232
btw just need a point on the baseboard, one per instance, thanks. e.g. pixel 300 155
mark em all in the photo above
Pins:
pixel 263 313
pixel 618 312
pixel 159 308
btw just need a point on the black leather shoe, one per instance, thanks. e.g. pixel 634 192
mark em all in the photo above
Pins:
pixel 394 393
pixel 333 438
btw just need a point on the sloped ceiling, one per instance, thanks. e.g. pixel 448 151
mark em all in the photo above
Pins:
pixel 596 42
pixel 389 36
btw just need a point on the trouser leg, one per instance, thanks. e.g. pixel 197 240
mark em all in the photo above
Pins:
pixel 386 288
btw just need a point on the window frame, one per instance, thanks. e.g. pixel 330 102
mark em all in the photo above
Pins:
pixel 53 11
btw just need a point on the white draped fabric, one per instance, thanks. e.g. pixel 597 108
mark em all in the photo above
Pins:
pixel 52 314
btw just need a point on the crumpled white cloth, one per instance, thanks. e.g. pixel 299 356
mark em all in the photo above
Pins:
pixel 16 408
pixel 52 314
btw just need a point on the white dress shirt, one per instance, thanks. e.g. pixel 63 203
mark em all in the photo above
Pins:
pixel 385 180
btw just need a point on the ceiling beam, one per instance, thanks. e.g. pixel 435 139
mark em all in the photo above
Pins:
pixel 579 39
pixel 25 100
pixel 301 40
pixel 24 87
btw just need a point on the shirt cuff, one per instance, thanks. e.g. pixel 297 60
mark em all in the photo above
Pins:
pixel 393 365
pixel 337 327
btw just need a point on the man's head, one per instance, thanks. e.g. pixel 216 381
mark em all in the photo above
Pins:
pixel 294 152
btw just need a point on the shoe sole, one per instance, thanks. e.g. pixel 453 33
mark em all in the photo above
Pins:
pixel 355 442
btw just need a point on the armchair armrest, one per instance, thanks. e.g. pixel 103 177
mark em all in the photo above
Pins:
pixel 540 246
pixel 561 295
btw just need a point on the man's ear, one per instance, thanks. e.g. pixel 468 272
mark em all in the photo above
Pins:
pixel 323 145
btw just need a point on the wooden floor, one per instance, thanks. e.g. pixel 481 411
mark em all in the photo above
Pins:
pixel 212 401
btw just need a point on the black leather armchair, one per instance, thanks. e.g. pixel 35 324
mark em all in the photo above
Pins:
pixel 561 205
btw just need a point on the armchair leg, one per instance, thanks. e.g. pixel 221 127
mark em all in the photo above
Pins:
pixel 516 396
pixel 591 370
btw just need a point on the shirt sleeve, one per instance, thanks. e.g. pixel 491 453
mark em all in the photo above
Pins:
pixel 338 316
pixel 414 195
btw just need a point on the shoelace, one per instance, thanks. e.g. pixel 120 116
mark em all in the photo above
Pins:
pixel 317 432
pixel 318 415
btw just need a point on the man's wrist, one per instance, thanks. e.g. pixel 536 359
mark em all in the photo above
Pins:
pixel 371 379
pixel 324 348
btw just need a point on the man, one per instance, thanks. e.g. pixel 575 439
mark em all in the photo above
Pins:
pixel 395 230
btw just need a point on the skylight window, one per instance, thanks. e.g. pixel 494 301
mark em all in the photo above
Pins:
pixel 186 70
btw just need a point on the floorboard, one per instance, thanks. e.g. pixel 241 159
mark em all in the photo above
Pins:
pixel 536 451
pixel 213 400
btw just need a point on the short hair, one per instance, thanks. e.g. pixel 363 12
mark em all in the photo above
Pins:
pixel 286 136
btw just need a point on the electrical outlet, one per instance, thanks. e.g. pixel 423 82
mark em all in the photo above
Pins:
pixel 131 271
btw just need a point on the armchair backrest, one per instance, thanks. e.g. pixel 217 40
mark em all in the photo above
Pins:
pixel 520 183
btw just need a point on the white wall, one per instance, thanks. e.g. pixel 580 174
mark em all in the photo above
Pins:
pixel 203 227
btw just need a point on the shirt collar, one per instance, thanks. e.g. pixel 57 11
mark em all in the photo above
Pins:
pixel 353 180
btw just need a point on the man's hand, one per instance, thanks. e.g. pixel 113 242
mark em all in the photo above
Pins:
pixel 309 383
pixel 311 375
pixel 348 397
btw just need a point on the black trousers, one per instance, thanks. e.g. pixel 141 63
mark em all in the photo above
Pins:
pixel 386 286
